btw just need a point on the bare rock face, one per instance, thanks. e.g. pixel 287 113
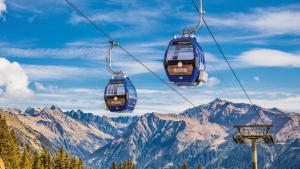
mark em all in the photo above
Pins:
pixel 201 135
pixel 24 133
pixel 79 133
pixel 158 139
pixel 290 157
pixel 111 125
pixel 61 130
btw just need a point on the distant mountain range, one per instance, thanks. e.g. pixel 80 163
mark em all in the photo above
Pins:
pixel 201 135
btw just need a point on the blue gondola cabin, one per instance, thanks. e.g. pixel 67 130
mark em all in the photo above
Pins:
pixel 184 62
pixel 120 95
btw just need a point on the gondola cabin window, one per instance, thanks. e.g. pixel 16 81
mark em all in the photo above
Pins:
pixel 115 94
pixel 180 52
pixel 180 58
pixel 115 89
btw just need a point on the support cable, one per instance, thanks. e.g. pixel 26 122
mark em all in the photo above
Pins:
pixel 126 51
pixel 233 71
pixel 237 78
pixel 229 65
pixel 240 84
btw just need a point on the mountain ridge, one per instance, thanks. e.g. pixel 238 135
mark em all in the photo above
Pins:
pixel 200 135
pixel 218 117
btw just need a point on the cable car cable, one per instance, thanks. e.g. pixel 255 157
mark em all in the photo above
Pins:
pixel 236 77
pixel 233 71
pixel 156 75
pixel 239 82
pixel 229 65
pixel 135 58
pixel 218 74
pixel 126 51
pixel 88 19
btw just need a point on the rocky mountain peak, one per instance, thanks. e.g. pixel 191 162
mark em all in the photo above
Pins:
pixel 219 100
pixel 199 135
pixel 14 111
pixel 32 111
pixel 219 104
pixel 53 107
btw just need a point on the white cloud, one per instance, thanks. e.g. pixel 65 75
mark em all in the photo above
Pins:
pixel 2 7
pixel 37 6
pixel 152 44
pixel 133 67
pixel 212 81
pixel 96 43
pixel 13 80
pixel 89 49
pixel 50 72
pixel 153 91
pixel 257 57
pixel 269 58
pixel 62 53
pixel 210 57
pixel 66 98
pixel 151 100
pixel 270 21
pixel 39 86
pixel 133 17
pixel 285 103
pixel 132 21
pixel 256 78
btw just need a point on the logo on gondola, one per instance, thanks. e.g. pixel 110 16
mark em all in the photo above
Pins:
pixel 184 42
pixel 180 70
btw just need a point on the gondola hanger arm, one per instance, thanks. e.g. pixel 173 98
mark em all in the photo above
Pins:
pixel 114 73
pixel 191 30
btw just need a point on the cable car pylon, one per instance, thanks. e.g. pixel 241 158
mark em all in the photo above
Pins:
pixel 253 134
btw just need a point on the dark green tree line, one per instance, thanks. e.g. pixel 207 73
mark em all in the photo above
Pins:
pixel 128 164
pixel 24 158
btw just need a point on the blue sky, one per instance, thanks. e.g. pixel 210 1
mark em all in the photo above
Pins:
pixel 51 55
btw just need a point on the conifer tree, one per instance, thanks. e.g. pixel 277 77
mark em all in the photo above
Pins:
pixel 65 161
pixel 14 150
pixel 184 166
pixel 129 164
pixel 26 161
pixel 37 163
pixel 126 164
pixel 46 159
pixel 8 148
pixel 73 163
pixel 15 147
pixel 199 166
pixel 58 160
pixel 13 159
pixel 80 164
pixel 120 165
pixel 114 165
pixel 4 138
